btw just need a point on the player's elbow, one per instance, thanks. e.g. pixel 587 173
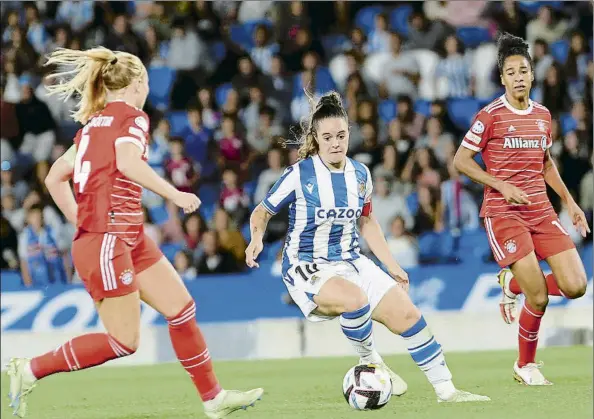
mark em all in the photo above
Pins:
pixel 460 162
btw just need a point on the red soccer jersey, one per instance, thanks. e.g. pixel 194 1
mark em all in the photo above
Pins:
pixel 108 202
pixel 513 143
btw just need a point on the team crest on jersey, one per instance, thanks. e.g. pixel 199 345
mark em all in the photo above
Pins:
pixel 126 277
pixel 141 122
pixel 361 189
pixel 541 125
pixel 511 247
pixel 478 127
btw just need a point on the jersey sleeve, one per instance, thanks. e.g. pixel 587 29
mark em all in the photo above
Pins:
pixel 479 133
pixel 134 129
pixel 368 191
pixel 282 192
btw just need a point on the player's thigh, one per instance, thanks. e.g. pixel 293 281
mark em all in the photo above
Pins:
pixel 339 295
pixel 531 280
pixel 510 239
pixel 104 264
pixel 162 288
pixel 569 272
pixel 121 318
pixel 389 303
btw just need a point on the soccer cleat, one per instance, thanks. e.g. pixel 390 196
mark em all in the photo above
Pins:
pixel 507 306
pixel 460 396
pixel 530 375
pixel 399 386
pixel 21 385
pixel 228 401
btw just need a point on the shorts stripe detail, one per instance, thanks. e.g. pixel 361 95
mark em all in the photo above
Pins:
pixel 499 255
pixel 106 262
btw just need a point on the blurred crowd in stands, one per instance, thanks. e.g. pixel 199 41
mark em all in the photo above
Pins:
pixel 227 81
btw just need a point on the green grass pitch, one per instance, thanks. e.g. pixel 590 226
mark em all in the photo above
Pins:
pixel 311 389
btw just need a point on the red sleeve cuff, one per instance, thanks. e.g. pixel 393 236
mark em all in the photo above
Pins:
pixel 366 209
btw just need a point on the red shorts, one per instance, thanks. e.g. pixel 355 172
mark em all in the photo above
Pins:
pixel 107 265
pixel 511 239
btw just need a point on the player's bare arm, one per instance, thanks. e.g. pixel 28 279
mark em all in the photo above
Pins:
pixel 58 184
pixel 465 164
pixel 374 236
pixel 129 162
pixel 258 223
pixel 553 179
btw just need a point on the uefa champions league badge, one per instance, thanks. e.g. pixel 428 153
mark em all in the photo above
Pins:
pixel 478 127
pixel 510 246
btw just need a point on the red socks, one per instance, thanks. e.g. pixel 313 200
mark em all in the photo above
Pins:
pixel 192 352
pixel 551 286
pixel 528 334
pixel 78 354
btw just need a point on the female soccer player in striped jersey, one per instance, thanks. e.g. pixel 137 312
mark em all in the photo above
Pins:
pixel 328 195
pixel 513 134
pixel 118 263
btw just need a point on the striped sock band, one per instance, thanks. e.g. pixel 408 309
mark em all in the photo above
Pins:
pixel 426 352
pixel 357 327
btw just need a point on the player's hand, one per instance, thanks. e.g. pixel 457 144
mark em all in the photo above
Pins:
pixel 578 218
pixel 400 276
pixel 251 253
pixel 187 201
pixel 514 195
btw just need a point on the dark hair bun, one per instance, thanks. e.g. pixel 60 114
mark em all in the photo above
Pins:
pixel 509 42
pixel 330 99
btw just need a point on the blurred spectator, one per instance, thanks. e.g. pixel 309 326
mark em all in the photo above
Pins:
pixel 36 33
pixel 251 112
pixel 401 141
pixel 233 149
pixel 442 143
pixel 388 168
pixel 194 227
pixel 402 244
pixel 215 260
pixel 388 204
pixel 255 10
pixel 122 38
pixel 78 14
pixel 12 24
pixel 574 156
pixel 183 265
pixel 182 171
pixel 554 92
pixel 379 37
pixel 456 13
pixel 20 52
pixel 411 121
pixel 11 186
pixel 60 109
pixel 263 49
pixel 42 261
pixel 261 137
pixel 423 33
pixel 542 60
pixel 545 26
pixel 292 18
pixel 37 125
pixel 576 67
pixel 401 70
pixel 159 146
pixel 587 192
pixel 207 23
pixel 269 176
pixel 460 210
pixel 9 128
pixel 233 199
pixel 508 17
pixel 368 152
pixel 281 83
pixel 8 246
pixel 196 138
pixel 210 116
pixel 293 51
pixel 230 239
pixel 247 77
pixel 429 214
pixel 454 69
pixel 422 168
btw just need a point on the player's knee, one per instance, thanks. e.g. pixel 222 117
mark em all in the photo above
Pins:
pixel 130 340
pixel 538 301
pixel 354 301
pixel 577 288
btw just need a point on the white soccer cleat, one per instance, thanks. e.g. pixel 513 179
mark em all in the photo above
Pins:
pixel 507 306
pixel 399 386
pixel 21 385
pixel 460 396
pixel 530 375
pixel 228 401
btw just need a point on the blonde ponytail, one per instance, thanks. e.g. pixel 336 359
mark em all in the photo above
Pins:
pixel 90 74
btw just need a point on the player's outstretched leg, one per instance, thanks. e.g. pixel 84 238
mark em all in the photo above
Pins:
pixel 82 352
pixel 339 297
pixel 161 288
pixel 397 312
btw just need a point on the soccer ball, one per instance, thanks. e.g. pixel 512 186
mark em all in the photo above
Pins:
pixel 367 387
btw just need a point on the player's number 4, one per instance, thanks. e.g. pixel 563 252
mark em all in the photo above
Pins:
pixel 82 169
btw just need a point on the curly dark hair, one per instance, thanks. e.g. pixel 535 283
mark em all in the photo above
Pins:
pixel 508 45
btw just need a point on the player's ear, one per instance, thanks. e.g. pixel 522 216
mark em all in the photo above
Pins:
pixel 501 78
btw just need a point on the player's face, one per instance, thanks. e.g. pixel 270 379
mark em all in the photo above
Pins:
pixel 333 140
pixel 517 76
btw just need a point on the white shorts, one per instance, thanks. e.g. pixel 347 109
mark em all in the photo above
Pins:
pixel 306 279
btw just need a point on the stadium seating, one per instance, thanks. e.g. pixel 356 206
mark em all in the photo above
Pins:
pixel 462 111
pixel 473 36
pixel 399 19
pixel 559 50
pixel 160 83
pixel 221 93
pixel 387 110
pixel 178 121
pixel 365 18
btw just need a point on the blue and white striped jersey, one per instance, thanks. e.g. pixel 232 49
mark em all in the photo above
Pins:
pixel 324 207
